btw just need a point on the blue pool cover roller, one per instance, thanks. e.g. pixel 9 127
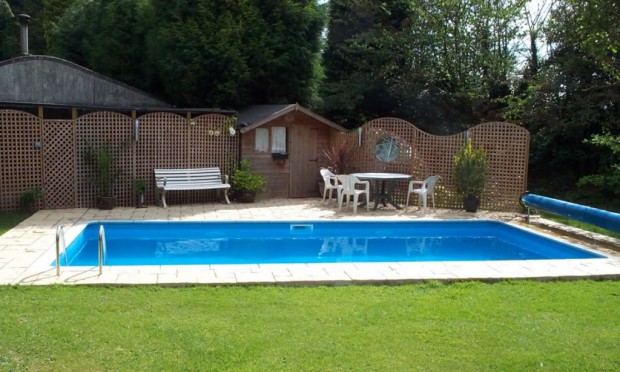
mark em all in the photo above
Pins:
pixel 605 219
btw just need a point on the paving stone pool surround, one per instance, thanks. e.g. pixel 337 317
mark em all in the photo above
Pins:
pixel 25 250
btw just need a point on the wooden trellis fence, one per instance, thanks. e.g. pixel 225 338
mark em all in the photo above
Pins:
pixel 50 154
pixel 44 153
pixel 421 155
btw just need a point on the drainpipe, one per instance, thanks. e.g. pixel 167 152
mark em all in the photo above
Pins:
pixel 24 20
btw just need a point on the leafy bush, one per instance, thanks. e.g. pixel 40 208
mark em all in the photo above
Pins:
pixel 470 170
pixel 608 180
pixel 29 198
pixel 103 161
pixel 139 186
pixel 246 179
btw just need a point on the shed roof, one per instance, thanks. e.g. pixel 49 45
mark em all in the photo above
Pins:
pixel 257 115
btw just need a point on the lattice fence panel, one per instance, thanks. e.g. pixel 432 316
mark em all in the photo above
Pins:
pixel 507 147
pixel 422 155
pixel 408 156
pixel 20 156
pixel 33 151
pixel 162 143
pixel 59 157
pixel 210 144
pixel 437 153
pixel 97 129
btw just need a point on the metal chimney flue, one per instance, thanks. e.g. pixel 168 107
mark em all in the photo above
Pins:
pixel 24 20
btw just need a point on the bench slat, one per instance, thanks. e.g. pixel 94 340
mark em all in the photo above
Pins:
pixel 197 186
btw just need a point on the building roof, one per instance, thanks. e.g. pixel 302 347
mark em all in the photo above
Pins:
pixel 257 115
pixel 46 80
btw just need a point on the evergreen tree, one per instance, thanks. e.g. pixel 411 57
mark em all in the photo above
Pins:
pixel 437 63
pixel 36 37
pixel 9 32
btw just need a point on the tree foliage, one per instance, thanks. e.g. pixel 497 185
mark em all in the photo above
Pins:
pixel 53 10
pixel 36 38
pixel 9 31
pixel 436 63
pixel 441 64
pixel 574 96
pixel 198 52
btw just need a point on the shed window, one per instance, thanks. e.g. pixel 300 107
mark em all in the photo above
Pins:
pixel 262 140
pixel 278 140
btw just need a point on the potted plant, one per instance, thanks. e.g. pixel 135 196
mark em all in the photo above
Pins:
pixel 106 173
pixel 338 159
pixel 246 182
pixel 28 199
pixel 139 187
pixel 470 175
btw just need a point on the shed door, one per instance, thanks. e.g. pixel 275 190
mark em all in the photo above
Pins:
pixel 303 161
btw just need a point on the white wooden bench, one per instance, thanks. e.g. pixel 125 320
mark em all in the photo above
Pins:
pixel 189 179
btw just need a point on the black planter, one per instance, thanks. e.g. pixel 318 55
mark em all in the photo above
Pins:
pixel 279 156
pixel 245 196
pixel 106 202
pixel 471 203
pixel 140 201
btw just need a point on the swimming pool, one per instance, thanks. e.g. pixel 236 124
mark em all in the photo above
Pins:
pixel 201 243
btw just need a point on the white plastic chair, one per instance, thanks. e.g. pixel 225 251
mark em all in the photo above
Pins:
pixel 331 183
pixel 349 190
pixel 423 189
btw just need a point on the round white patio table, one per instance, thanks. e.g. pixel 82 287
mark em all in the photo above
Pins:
pixel 382 186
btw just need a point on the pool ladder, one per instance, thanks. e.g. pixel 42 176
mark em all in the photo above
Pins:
pixel 101 248
pixel 60 238
pixel 60 242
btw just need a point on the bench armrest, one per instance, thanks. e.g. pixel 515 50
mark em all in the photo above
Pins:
pixel 225 178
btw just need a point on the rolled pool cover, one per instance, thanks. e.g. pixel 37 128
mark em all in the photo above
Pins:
pixel 605 219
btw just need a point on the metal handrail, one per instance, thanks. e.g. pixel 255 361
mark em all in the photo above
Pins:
pixel 60 234
pixel 101 248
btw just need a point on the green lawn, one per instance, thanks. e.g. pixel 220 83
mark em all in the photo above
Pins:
pixel 579 224
pixel 470 326
pixel 9 219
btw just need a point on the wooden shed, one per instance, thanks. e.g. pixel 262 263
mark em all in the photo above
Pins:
pixel 285 144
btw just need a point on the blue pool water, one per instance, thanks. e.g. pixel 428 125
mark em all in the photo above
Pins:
pixel 199 243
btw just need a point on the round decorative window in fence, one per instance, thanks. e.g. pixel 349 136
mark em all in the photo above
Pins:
pixel 387 149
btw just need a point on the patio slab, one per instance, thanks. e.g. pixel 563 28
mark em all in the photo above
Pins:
pixel 27 250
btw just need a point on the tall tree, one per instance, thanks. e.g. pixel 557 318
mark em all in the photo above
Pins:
pixel 434 62
pixel 9 32
pixel 282 60
pixel 53 10
pixel 199 52
pixel 364 59
pixel 106 36
pixel 196 51
pixel 33 8
pixel 241 52
pixel 573 98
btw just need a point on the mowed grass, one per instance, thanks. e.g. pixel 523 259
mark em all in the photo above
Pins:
pixel 468 326
pixel 580 225
pixel 10 219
